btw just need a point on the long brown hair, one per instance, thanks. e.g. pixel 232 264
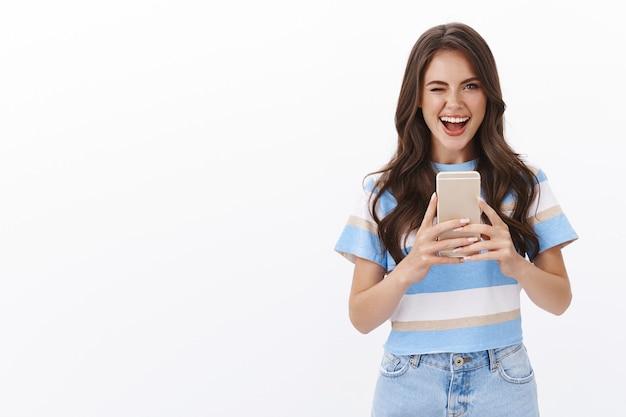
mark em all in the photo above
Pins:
pixel 410 177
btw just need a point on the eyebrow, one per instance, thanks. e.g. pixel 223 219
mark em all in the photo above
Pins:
pixel 445 83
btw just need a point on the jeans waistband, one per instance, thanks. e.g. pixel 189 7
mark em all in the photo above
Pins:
pixel 465 361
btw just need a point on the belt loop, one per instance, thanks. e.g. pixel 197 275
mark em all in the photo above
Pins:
pixel 415 360
pixel 493 360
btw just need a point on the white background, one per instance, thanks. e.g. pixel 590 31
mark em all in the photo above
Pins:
pixel 174 176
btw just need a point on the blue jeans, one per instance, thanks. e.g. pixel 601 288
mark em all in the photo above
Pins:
pixel 492 383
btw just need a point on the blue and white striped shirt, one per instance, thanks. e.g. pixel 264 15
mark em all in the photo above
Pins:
pixel 464 307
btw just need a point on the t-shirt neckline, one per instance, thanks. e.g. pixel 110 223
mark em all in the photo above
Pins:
pixel 463 166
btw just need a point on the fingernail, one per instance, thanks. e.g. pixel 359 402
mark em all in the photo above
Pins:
pixel 464 221
pixel 456 250
pixel 472 239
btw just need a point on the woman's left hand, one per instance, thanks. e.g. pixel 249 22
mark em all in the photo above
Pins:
pixel 544 280
pixel 496 240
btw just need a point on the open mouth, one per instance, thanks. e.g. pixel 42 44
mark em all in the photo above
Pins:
pixel 454 124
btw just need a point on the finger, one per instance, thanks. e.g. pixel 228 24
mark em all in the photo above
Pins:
pixel 490 212
pixel 457 243
pixel 431 210
pixel 443 259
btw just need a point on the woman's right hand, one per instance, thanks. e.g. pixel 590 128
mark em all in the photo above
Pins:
pixel 425 251
pixel 375 295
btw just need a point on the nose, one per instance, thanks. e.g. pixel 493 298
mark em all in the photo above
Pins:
pixel 454 99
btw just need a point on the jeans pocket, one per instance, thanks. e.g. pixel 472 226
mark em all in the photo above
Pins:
pixel 394 365
pixel 515 366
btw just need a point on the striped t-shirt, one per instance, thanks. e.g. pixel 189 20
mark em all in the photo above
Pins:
pixel 464 307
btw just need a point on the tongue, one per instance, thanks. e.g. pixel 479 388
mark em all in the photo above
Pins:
pixel 454 127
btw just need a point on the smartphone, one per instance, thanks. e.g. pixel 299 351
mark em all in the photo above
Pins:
pixel 457 198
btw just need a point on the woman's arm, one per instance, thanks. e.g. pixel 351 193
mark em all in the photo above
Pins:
pixel 545 280
pixel 374 296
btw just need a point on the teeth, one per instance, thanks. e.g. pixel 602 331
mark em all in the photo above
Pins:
pixel 454 119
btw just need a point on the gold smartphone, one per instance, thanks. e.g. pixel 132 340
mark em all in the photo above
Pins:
pixel 457 198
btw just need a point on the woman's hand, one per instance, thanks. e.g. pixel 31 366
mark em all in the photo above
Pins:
pixel 497 241
pixel 425 251
pixel 545 280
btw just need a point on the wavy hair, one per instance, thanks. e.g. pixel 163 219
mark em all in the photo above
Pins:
pixel 410 176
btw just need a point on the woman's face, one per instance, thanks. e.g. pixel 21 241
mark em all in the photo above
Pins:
pixel 453 104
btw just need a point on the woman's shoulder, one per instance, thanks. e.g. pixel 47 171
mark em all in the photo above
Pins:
pixel 535 169
pixel 372 181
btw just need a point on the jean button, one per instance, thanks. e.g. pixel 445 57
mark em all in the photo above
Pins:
pixel 459 361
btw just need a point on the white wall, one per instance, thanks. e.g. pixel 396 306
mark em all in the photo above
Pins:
pixel 174 176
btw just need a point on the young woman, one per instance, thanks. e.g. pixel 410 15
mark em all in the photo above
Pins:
pixel 455 344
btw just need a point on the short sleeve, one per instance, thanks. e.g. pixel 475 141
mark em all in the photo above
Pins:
pixel 548 218
pixel 359 237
